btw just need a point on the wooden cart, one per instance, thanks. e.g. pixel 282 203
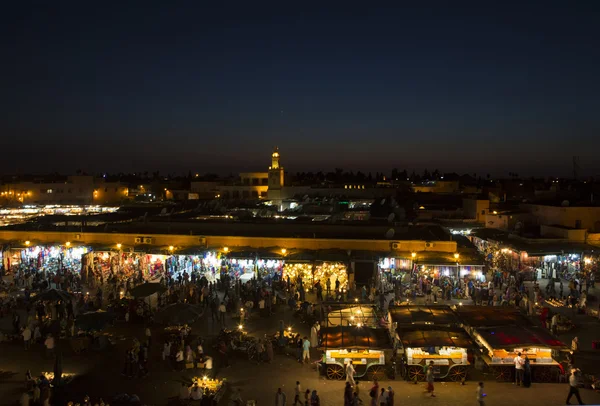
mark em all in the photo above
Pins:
pixel 501 333
pixel 365 347
pixel 426 333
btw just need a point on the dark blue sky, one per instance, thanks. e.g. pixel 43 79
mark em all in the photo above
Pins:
pixel 127 86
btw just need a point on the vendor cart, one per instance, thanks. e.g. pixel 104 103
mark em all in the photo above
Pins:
pixel 502 333
pixel 365 347
pixel 430 333
pixel 447 347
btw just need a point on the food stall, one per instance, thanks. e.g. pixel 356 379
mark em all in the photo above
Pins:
pixel 502 333
pixel 423 315
pixel 366 347
pixel 352 314
pixel 447 347
pixel 430 333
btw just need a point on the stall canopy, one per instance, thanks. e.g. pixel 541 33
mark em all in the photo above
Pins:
pixel 485 316
pixel 433 336
pixel 438 315
pixel 519 336
pixel 332 255
pixel 355 338
pixel 351 314
pixel 300 256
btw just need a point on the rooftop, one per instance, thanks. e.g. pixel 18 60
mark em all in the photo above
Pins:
pixel 533 247
pixel 266 228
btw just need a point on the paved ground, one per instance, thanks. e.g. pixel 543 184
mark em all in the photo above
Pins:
pixel 99 374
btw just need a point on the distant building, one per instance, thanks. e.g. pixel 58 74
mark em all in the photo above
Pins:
pixel 476 209
pixel 79 189
pixel 438 186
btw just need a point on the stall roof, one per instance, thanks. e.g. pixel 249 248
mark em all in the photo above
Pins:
pixel 519 336
pixel 433 336
pixel 490 316
pixel 351 313
pixel 438 315
pixel 332 255
pixel 254 253
pixel 355 337
pixel 533 247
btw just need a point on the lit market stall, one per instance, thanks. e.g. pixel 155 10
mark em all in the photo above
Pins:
pixel 241 264
pixel 332 265
pixel 393 267
pixel 299 264
pixel 501 334
pixel 214 389
pixel 269 265
pixel 48 258
pixel 367 348
pixel 453 266
pixel 341 314
pixel 153 265
pixel 182 261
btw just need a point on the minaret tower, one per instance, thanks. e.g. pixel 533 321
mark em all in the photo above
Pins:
pixel 275 172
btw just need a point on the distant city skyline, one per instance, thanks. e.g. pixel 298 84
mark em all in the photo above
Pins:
pixel 471 87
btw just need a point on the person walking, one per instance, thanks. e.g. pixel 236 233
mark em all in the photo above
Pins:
pixel 480 395
pixel 350 373
pixel 27 337
pixel 306 350
pixel 306 396
pixel 575 344
pixel 297 392
pixel 383 397
pixel 519 364
pixel 348 395
pixel 280 398
pixel 527 372
pixel 430 379
pixel 574 388
pixel 49 343
pixel 315 400
pixel 222 311
pixel 390 396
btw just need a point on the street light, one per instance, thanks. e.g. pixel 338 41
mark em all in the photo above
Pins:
pixel 171 248
pixel 413 255
pixel 283 251
pixel 225 249
pixel 456 255
pixel 29 242
pixel 119 245
pixel 68 244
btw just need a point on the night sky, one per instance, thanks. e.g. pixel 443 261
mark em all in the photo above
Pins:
pixel 487 87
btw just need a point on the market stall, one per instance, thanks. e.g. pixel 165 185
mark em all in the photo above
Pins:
pixel 48 258
pixel 211 263
pixel 423 314
pixel 241 264
pixel 502 333
pixel 352 315
pixel 447 347
pixel 365 347
pixel 153 265
pixel 301 270
pixel 332 271
pixel 299 264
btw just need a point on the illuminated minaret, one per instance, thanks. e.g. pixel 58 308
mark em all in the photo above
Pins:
pixel 275 172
